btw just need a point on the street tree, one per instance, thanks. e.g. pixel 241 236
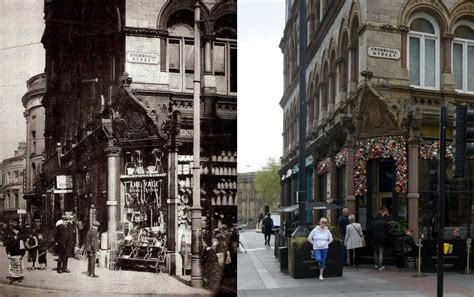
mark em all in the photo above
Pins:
pixel 267 182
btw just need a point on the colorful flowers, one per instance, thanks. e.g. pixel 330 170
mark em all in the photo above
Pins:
pixel 386 147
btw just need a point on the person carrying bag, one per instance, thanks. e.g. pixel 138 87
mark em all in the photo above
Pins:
pixel 354 240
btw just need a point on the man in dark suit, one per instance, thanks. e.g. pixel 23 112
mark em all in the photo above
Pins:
pixel 377 235
pixel 91 246
pixel 61 239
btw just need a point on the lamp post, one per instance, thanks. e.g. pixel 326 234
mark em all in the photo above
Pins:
pixel 302 229
pixel 196 210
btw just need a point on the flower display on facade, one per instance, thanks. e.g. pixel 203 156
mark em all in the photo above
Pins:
pixel 323 167
pixel 341 158
pixel 389 147
pixel 429 149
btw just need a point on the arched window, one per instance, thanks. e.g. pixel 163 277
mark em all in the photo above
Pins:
pixel 423 52
pixel 463 56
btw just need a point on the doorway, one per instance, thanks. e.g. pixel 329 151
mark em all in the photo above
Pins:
pixel 381 178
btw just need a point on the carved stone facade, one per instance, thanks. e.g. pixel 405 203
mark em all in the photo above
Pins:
pixel 371 107
pixel 119 112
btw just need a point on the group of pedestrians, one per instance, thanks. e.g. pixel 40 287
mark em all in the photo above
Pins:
pixel 26 241
pixel 65 238
pixel 351 234
pixel 30 242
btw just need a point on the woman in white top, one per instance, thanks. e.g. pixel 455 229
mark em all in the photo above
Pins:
pixel 320 237
pixel 353 241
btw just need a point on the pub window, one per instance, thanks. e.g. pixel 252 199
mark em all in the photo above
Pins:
pixel 423 52
pixel 174 56
pixel 463 57
pixel 219 59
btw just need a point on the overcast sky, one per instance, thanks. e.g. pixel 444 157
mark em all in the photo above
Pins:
pixel 260 28
pixel 21 57
pixel 260 82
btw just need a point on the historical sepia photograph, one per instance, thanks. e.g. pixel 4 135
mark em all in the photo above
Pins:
pixel 356 145
pixel 118 147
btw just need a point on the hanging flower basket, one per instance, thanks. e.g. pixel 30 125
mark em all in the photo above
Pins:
pixel 323 167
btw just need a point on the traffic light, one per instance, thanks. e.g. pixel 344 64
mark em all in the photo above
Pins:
pixel 463 118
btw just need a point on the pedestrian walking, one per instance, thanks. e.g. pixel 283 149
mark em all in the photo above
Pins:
pixel 43 246
pixel 31 245
pixel 354 240
pixel 320 237
pixel 377 235
pixel 15 249
pixel 267 228
pixel 91 247
pixel 61 240
pixel 71 235
pixel 342 222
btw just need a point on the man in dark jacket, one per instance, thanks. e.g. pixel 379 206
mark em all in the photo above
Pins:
pixel 267 228
pixel 91 246
pixel 377 235
pixel 342 222
pixel 61 239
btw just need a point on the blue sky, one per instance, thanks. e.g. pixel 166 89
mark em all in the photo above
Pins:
pixel 260 82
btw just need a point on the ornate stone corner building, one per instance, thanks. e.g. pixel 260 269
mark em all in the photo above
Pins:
pixel 377 73
pixel 34 114
pixel 119 115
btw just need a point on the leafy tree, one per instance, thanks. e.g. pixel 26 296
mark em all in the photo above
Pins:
pixel 267 182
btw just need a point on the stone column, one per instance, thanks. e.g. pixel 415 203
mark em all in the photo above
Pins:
pixel 331 93
pixel 209 81
pixel 317 16
pixel 404 30
pixel 447 75
pixel 324 9
pixel 350 197
pixel 311 27
pixel 352 86
pixel 413 194
pixel 322 99
pixel 113 193
pixel 172 201
pixel 342 66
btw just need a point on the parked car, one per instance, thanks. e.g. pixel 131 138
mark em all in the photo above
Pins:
pixel 276 222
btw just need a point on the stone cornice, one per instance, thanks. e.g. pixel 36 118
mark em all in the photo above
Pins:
pixel 145 32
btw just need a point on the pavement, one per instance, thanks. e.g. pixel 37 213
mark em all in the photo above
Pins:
pixel 259 275
pixel 77 283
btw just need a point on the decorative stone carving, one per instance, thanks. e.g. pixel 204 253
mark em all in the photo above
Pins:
pixel 135 117
pixel 373 115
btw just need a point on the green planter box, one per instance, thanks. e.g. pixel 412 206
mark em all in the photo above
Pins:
pixel 301 265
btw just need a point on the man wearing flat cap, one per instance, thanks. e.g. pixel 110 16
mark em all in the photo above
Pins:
pixel 91 246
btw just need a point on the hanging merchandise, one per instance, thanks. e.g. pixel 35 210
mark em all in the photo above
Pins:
pixel 386 147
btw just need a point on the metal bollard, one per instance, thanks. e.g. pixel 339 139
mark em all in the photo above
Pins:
pixel 419 260
pixel 468 257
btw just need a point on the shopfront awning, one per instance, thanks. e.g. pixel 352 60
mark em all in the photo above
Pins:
pixel 321 205
pixel 288 209
pixel 31 195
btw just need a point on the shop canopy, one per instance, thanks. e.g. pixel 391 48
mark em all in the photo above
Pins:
pixel 291 208
pixel 321 205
